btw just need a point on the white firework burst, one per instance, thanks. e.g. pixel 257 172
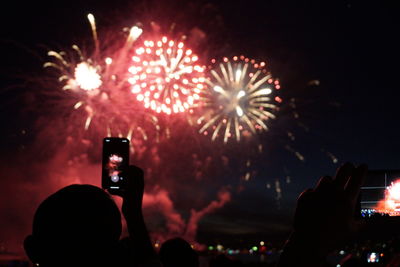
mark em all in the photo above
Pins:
pixel 240 99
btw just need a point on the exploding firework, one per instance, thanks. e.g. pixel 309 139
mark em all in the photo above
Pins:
pixel 391 203
pixel 166 76
pixel 97 82
pixel 88 73
pixel 239 100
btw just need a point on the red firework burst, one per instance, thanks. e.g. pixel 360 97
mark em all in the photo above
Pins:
pixel 165 76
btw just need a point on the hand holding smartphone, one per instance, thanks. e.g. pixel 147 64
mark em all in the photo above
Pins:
pixel 127 181
pixel 114 164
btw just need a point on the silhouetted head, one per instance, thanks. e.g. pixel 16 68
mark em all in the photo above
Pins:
pixel 79 225
pixel 177 252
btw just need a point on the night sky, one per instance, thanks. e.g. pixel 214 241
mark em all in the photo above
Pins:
pixel 349 47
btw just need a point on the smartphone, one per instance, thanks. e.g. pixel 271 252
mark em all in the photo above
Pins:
pixel 115 162
pixel 380 194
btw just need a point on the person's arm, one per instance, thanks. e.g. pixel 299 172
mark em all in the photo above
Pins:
pixel 324 218
pixel 139 239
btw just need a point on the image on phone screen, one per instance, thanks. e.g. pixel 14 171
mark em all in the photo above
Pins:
pixel 115 161
pixel 380 194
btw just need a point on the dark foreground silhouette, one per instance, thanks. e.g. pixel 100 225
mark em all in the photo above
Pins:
pixel 327 218
pixel 80 225
pixel 177 252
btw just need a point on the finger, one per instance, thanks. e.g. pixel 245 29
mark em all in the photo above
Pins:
pixel 323 183
pixel 342 175
pixel 305 197
pixel 305 194
pixel 134 181
pixel 135 174
pixel 135 170
pixel 303 210
pixel 354 183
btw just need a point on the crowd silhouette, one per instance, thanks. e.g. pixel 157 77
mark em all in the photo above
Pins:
pixel 80 225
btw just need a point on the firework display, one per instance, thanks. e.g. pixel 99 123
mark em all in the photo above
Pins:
pixel 88 73
pixel 211 120
pixel 234 98
pixel 127 89
pixel 165 76
pixel 95 74
pixel 239 100
pixel 98 82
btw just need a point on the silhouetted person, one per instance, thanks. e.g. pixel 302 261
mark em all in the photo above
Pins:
pixel 325 218
pixel 80 225
pixel 177 252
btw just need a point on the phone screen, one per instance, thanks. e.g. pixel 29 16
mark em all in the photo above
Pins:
pixel 115 161
pixel 380 194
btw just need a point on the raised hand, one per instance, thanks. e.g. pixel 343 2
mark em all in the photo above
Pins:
pixel 325 217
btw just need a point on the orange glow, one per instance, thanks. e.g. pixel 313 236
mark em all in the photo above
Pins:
pixel 391 204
